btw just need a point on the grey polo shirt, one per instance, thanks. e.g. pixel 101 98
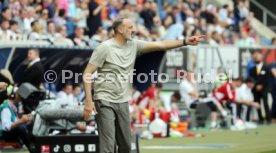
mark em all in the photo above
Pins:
pixel 115 66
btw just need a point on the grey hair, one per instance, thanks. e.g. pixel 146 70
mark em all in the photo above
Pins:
pixel 117 23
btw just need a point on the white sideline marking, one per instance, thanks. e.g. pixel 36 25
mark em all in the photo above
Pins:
pixel 188 147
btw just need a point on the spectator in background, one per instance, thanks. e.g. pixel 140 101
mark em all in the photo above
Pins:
pixel 12 128
pixel 6 14
pixel 223 13
pixel 66 95
pixel 30 17
pixel 245 40
pixel 60 18
pixel 72 8
pixel 24 3
pixel 244 92
pixel 226 93
pixel 37 5
pixel 174 30
pixel 147 15
pixel 50 6
pixel 61 37
pixel 5 33
pixel 20 20
pixel 51 31
pixel 208 14
pixel 81 15
pixel 114 6
pixel 62 5
pixel 261 74
pixel 77 92
pixel 15 7
pixel 190 95
pixel 15 30
pixel 44 18
pixel 175 99
pixel 79 38
pixel 37 31
pixel 97 38
pixel 94 20
pixel 150 98
pixel 34 72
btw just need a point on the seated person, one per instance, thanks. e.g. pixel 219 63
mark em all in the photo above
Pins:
pixel 227 93
pixel 244 92
pixel 13 128
pixel 189 94
pixel 66 95
pixel 175 98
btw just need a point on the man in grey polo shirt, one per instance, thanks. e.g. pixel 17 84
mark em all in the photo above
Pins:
pixel 114 60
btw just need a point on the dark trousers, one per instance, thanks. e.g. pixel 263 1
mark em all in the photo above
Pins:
pixel 273 110
pixel 210 104
pixel 17 134
pixel 258 96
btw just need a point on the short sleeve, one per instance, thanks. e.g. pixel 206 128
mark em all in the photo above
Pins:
pixel 98 56
pixel 186 87
pixel 139 46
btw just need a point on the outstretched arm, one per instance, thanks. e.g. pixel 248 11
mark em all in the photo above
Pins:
pixel 171 44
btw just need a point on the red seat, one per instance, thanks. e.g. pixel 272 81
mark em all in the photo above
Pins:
pixel 10 144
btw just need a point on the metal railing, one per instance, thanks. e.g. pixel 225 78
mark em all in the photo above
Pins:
pixel 266 13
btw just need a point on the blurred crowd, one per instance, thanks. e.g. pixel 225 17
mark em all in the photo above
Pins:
pixel 88 22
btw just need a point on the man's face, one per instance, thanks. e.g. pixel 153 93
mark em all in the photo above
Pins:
pixel 7 14
pixel 63 31
pixel 14 28
pixel 77 91
pixel 68 89
pixel 45 14
pixel 237 83
pixel 23 14
pixel 250 85
pixel 127 29
pixel 32 55
pixel 258 57
pixel 5 25
pixel 51 28
pixel 79 32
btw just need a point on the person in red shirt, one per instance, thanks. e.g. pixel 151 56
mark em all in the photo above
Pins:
pixel 226 94
pixel 148 98
pixel 150 101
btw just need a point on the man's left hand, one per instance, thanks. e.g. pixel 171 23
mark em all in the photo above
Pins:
pixel 194 40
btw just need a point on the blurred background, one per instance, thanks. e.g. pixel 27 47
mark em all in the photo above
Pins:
pixel 46 44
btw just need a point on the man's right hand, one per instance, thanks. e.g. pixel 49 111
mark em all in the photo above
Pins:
pixel 26 118
pixel 256 105
pixel 88 109
pixel 259 87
